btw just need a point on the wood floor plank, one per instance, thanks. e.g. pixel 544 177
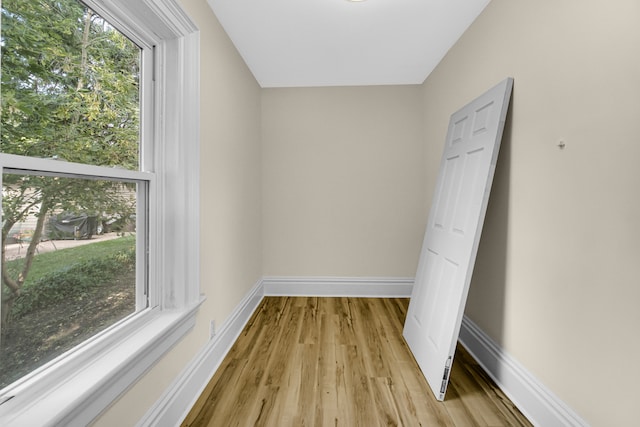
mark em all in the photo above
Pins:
pixel 330 378
pixel 458 411
pixel 482 410
pixel 504 412
pixel 329 362
pixel 387 412
pixel 429 412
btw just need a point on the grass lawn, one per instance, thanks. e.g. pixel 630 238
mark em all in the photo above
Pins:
pixel 50 262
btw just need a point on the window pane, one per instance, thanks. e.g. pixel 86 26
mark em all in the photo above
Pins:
pixel 69 264
pixel 70 85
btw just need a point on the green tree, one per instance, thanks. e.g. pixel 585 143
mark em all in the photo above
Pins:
pixel 70 91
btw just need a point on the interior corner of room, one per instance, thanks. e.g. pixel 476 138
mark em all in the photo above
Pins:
pixel 327 190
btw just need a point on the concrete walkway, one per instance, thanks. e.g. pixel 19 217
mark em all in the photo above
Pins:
pixel 19 250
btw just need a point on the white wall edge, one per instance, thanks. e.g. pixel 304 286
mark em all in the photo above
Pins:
pixel 373 287
pixel 174 405
pixel 534 400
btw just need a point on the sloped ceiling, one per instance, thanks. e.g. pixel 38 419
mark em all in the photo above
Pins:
pixel 294 43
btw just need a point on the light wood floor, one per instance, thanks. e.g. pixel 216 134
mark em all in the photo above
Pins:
pixel 340 362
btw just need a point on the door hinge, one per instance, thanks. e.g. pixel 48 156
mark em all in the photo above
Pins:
pixel 445 376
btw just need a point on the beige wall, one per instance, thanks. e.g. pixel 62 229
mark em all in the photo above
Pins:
pixel 230 205
pixel 557 281
pixel 343 181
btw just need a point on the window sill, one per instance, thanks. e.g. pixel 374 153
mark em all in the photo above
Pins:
pixel 77 387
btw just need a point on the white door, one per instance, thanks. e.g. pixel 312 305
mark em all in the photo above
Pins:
pixel 453 232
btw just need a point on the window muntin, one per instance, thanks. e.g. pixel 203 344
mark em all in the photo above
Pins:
pixel 72 90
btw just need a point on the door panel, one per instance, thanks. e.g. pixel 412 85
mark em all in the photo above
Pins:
pixel 453 233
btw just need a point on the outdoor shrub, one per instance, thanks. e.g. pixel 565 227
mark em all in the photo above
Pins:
pixel 73 281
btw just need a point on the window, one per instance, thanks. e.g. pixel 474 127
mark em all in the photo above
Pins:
pixel 100 132
pixel 71 91
pixel 61 291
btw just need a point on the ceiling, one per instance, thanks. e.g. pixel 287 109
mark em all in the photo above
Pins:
pixel 294 43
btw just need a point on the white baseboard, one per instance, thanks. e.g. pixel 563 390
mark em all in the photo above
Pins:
pixel 533 399
pixel 374 287
pixel 173 407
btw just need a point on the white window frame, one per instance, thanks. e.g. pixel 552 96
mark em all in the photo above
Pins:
pixel 78 386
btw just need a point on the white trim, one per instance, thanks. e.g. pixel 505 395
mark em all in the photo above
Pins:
pixel 172 408
pixel 536 401
pixel 77 170
pixel 79 385
pixel 172 16
pixel 375 287
pixel 179 72
pixel 76 399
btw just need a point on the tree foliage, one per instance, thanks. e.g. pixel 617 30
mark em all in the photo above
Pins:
pixel 70 91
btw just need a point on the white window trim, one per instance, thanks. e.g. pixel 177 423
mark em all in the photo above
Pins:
pixel 78 386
